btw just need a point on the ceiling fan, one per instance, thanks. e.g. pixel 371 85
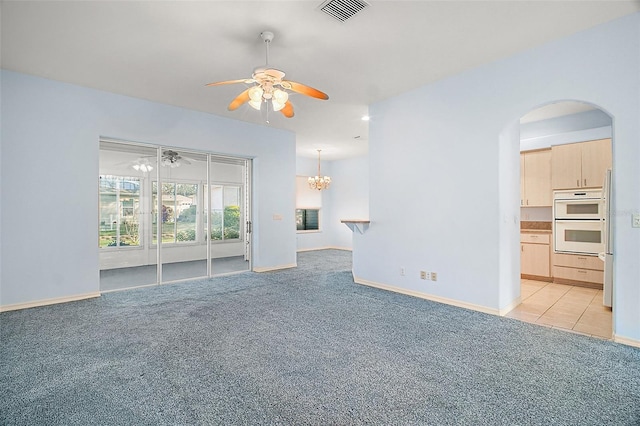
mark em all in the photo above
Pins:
pixel 172 159
pixel 169 158
pixel 269 86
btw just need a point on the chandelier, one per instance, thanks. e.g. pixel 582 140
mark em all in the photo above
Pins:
pixel 319 182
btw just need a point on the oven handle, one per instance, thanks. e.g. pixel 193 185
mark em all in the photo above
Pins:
pixel 577 221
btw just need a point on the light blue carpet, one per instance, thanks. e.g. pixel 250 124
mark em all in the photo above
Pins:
pixel 302 346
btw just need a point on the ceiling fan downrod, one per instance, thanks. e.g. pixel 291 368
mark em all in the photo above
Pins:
pixel 267 37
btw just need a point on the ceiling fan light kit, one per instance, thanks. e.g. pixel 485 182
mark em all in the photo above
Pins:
pixel 142 165
pixel 270 87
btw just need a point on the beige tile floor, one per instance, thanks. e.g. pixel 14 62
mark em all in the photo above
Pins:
pixel 566 307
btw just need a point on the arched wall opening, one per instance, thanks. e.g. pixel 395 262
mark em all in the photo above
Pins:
pixel 544 125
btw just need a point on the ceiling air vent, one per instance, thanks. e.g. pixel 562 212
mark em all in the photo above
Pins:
pixel 343 9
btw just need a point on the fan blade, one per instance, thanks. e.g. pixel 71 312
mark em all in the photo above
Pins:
pixel 220 83
pixel 239 100
pixel 287 110
pixel 306 90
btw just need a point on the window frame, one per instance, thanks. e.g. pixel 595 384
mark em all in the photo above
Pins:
pixel 118 179
pixel 309 231
pixel 155 216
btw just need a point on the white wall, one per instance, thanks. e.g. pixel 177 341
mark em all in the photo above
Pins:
pixel 314 240
pixel 347 198
pixel 584 126
pixel 50 142
pixel 438 199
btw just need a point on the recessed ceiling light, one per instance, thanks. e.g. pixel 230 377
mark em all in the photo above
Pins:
pixel 365 118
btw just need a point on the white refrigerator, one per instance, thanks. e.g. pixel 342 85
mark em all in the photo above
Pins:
pixel 607 255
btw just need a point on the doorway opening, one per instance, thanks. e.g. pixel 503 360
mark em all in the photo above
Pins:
pixel 168 214
pixel 565 152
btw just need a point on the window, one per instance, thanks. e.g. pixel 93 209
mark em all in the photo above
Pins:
pixel 307 219
pixel 119 211
pixel 225 212
pixel 179 212
pixel 308 204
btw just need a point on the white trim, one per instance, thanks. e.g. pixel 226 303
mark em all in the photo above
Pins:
pixel 324 248
pixel 426 296
pixel 626 341
pixel 46 302
pixel 275 268
pixel 510 307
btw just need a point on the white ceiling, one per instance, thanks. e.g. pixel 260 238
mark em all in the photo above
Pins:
pixel 167 51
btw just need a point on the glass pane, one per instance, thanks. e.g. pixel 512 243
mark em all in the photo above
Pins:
pixel 186 209
pixel 154 212
pixel 119 211
pixel 226 190
pixel 583 208
pixel 217 208
pixel 231 217
pixel 168 212
pixel 129 196
pixel 127 258
pixel 311 220
pixel 583 236
pixel 184 254
pixel 108 231
pixel 307 219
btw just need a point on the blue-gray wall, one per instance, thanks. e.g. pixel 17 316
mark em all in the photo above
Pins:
pixel 347 198
pixel 50 134
pixel 445 194
pixel 580 127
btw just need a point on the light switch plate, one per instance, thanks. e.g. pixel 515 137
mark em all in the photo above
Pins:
pixel 635 220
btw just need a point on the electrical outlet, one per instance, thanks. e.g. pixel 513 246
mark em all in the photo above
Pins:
pixel 635 220
pixel 402 271
pixel 434 276
pixel 424 275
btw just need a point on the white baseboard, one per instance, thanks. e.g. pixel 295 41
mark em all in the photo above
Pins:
pixel 618 339
pixel 510 307
pixel 324 248
pixel 274 268
pixel 427 296
pixel 46 302
pixel 626 341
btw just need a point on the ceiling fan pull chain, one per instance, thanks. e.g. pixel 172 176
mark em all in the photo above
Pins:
pixel 267 108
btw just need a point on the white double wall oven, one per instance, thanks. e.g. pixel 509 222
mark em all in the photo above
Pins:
pixel 168 214
pixel 578 221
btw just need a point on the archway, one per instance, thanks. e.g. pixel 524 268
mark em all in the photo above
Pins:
pixel 564 283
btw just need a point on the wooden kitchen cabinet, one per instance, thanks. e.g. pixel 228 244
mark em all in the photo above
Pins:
pixel 596 159
pixel 575 269
pixel 535 262
pixel 535 178
pixel 580 165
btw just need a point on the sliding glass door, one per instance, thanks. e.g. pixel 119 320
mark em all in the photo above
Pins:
pixel 229 215
pixel 179 203
pixel 187 211
pixel 127 258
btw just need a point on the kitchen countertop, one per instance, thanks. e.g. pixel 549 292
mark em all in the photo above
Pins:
pixel 531 226
pixel 535 231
